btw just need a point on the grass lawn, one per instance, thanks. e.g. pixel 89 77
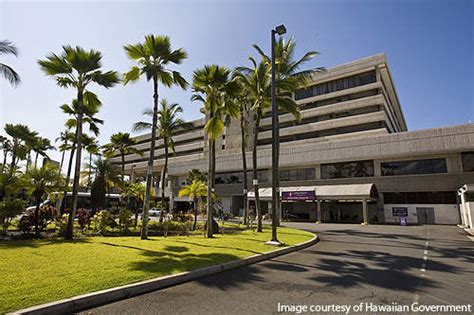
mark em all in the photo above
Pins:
pixel 39 271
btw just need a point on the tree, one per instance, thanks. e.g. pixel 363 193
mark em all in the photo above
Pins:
pixel 194 191
pixel 169 123
pixel 41 181
pixel 22 138
pixel 7 48
pixel 195 174
pixel 78 68
pixel 66 139
pixel 41 146
pixel 154 56
pixel 123 143
pixel 134 194
pixel 92 147
pixel 6 146
pixel 212 85
pixel 106 176
pixel 288 77
pixel 10 208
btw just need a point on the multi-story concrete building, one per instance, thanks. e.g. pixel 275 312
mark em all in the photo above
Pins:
pixel 349 154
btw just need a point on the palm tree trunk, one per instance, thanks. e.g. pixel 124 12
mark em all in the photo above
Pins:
pixel 255 174
pixel 38 202
pixel 5 153
pixel 90 172
pixel 244 161
pixel 36 159
pixel 28 159
pixel 149 171
pixel 210 185
pixel 61 164
pixel 195 213
pixel 77 170
pixel 68 177
pixel 123 166
pixel 163 178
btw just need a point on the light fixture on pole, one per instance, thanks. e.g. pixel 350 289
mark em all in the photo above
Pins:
pixel 280 30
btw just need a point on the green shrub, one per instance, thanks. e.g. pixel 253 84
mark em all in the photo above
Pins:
pixel 9 208
pixel 125 219
pixel 102 222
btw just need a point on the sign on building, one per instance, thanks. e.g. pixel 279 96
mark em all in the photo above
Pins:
pixel 400 211
pixel 298 195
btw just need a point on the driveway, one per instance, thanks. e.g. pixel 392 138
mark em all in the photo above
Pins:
pixel 350 265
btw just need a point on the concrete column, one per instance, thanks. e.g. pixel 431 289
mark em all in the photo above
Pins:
pixel 318 210
pixel 132 175
pixel 365 212
pixel 463 210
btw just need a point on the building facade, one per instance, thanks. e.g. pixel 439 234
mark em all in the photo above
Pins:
pixel 351 154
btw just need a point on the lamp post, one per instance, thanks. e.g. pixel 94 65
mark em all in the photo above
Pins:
pixel 280 30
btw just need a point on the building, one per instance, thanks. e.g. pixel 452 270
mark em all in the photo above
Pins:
pixel 351 154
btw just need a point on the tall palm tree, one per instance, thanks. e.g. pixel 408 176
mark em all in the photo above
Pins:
pixel 288 77
pixel 169 123
pixel 66 139
pixel 78 68
pixel 106 177
pixel 7 48
pixel 123 143
pixel 213 86
pixel 256 81
pixel 22 137
pixel 194 191
pixel 153 57
pixel 92 147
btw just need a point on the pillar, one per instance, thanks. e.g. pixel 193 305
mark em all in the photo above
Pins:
pixel 463 210
pixel 318 210
pixel 365 212
pixel 132 175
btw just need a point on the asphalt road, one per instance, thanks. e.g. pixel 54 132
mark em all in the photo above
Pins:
pixel 351 264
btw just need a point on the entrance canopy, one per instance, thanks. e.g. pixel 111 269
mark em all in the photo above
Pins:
pixel 325 192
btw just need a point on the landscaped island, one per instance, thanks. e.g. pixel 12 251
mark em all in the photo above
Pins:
pixel 39 271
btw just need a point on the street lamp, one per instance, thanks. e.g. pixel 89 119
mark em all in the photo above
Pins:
pixel 280 30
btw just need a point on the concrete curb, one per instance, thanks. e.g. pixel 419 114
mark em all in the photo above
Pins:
pixel 94 299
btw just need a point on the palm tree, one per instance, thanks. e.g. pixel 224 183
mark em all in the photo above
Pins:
pixel 256 81
pixel 122 143
pixel 106 177
pixel 92 147
pixel 134 193
pixel 77 68
pixel 169 123
pixel 22 137
pixel 7 48
pixel 196 190
pixel 41 181
pixel 288 77
pixel 41 146
pixel 154 56
pixel 213 86
pixel 66 138
pixel 6 146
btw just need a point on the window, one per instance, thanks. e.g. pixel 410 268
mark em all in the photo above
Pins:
pixel 429 166
pixel 238 177
pixel 336 85
pixel 297 174
pixel 347 169
pixel 436 197
pixel 467 161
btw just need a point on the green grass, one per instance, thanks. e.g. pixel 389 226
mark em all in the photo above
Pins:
pixel 39 271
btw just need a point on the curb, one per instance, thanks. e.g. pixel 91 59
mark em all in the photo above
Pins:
pixel 94 299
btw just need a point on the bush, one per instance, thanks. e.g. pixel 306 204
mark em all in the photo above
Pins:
pixel 182 217
pixel 103 222
pixel 125 219
pixel 9 208
pixel 83 218
pixel 25 224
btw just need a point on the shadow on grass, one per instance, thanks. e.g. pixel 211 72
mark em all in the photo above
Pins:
pixel 38 243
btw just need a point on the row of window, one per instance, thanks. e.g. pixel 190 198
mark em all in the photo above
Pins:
pixel 437 197
pixel 468 161
pixel 337 85
pixel 238 177
pixel 347 169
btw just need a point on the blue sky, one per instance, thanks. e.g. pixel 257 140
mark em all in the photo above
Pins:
pixel 429 45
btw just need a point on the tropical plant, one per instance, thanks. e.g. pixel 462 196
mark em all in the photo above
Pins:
pixel 78 68
pixel 194 191
pixel 213 86
pixel 106 176
pixel 288 78
pixel 153 57
pixel 41 146
pixel 134 193
pixel 123 143
pixel 7 48
pixel 10 208
pixel 22 139
pixel 6 146
pixel 169 123
pixel 40 182
pixel 92 147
